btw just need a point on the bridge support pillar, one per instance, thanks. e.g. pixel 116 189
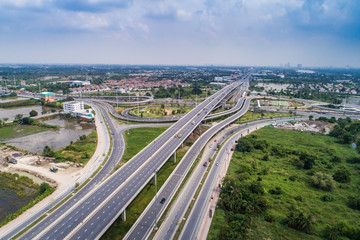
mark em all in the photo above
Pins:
pixel 123 216
pixel 174 157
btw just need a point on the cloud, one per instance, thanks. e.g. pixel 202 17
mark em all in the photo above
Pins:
pixel 92 5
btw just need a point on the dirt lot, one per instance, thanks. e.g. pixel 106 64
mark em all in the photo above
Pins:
pixel 308 126
pixel 38 168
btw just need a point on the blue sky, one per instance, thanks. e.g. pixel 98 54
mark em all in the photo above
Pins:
pixel 186 32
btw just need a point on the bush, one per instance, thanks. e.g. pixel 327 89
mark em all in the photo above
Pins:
pixel 276 191
pixel 327 198
pixel 44 187
pixel 296 219
pixel 269 217
pixel 33 113
pixel 353 160
pixel 293 178
pixel 354 202
pixel 82 137
pixel 298 198
pixel 342 229
pixel 323 181
pixel 342 176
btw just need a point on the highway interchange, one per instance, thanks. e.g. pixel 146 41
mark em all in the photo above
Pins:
pixel 89 213
pixel 89 217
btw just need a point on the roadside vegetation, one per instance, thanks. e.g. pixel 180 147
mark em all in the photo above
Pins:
pixel 162 111
pixel 20 103
pixel 255 115
pixel 285 184
pixel 26 191
pixel 78 152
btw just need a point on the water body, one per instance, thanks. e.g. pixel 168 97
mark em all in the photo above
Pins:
pixel 10 113
pixel 70 130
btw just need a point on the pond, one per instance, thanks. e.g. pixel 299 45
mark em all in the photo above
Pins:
pixel 10 113
pixel 10 202
pixel 70 130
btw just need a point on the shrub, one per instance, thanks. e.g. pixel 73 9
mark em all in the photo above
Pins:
pixel 82 137
pixel 336 159
pixel 342 176
pixel 269 217
pixel 354 202
pixel 293 178
pixel 296 219
pixel 342 229
pixel 298 198
pixel 266 157
pixel 323 181
pixel 327 198
pixel 276 191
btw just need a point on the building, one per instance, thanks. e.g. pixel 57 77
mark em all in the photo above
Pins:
pixel 84 115
pixel 73 106
pixel 48 96
pixel 23 83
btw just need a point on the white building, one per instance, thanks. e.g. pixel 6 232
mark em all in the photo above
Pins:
pixel 73 106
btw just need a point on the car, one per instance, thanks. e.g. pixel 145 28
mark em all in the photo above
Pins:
pixel 205 164
pixel 179 135
pixel 217 164
pixel 162 200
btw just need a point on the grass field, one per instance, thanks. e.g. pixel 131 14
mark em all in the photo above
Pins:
pixel 159 112
pixel 80 151
pixel 300 193
pixel 249 116
pixel 15 131
pixel 137 140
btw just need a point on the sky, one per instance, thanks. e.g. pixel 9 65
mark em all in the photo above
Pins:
pixel 314 33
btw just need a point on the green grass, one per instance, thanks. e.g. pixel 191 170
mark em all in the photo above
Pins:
pixel 20 103
pixel 249 116
pixel 158 111
pixel 279 171
pixel 137 138
pixel 15 131
pixel 80 151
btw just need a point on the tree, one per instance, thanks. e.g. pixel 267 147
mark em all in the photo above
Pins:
pixel 342 176
pixel 18 117
pixel 311 117
pixel 48 152
pixel 44 187
pixel 33 113
pixel 27 121
pixel 323 181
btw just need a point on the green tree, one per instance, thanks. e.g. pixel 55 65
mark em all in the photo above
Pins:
pixel 48 152
pixel 342 176
pixel 27 121
pixel 33 113
pixel 44 187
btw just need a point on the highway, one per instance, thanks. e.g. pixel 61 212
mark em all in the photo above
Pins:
pixel 102 206
pixel 115 156
pixel 193 228
pixel 145 223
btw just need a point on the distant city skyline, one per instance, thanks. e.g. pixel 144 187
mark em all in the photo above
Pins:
pixel 313 33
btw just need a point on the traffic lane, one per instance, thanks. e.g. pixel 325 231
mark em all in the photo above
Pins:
pixel 55 230
pixel 86 210
pixel 182 168
pixel 67 205
pixel 166 153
